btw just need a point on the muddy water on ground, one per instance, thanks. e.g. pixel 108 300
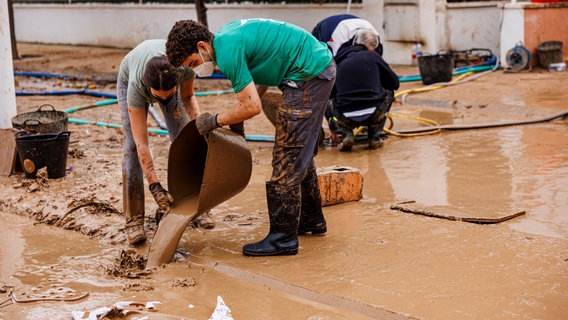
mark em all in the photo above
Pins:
pixel 489 172
pixel 38 260
pixel 372 258
pixel 426 267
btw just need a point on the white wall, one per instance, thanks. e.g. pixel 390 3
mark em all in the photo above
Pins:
pixel 7 87
pixel 439 27
pixel 485 33
pixel 443 26
pixel 513 29
pixel 125 25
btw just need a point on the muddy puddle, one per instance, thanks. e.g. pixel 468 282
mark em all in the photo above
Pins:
pixel 374 258
pixel 373 263
pixel 489 172
pixel 38 260
pixel 63 244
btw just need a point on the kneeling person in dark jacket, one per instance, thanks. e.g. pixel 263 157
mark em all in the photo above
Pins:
pixel 363 91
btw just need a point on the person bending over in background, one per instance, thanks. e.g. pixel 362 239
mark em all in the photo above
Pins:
pixel 146 77
pixel 363 91
pixel 269 53
pixel 339 30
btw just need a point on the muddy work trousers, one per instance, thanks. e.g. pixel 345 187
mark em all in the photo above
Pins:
pixel 175 118
pixel 375 122
pixel 298 124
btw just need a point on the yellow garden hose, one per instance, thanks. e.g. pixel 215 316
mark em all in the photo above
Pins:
pixel 432 87
pixel 419 119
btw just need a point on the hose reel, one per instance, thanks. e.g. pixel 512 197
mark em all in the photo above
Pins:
pixel 518 58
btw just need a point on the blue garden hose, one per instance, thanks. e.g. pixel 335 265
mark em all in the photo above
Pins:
pixel 64 76
pixel 249 137
pixel 457 71
pixel 67 92
pixel 87 106
pixel 258 138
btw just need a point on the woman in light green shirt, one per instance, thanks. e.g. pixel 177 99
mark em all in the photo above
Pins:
pixel 146 77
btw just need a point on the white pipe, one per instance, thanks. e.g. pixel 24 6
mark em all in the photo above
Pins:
pixel 7 89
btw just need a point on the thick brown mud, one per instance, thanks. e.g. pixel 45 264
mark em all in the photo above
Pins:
pixel 63 242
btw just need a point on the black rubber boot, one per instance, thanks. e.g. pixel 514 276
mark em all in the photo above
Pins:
pixel 374 136
pixel 284 213
pixel 311 214
pixel 347 140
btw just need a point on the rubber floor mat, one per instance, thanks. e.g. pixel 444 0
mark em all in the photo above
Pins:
pixel 203 172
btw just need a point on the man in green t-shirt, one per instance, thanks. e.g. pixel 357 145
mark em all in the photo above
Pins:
pixel 265 52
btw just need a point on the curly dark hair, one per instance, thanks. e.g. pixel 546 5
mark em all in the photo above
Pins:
pixel 183 38
pixel 159 74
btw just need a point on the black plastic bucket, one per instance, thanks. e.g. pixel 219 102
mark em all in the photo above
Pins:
pixel 42 121
pixel 549 52
pixel 436 68
pixel 43 150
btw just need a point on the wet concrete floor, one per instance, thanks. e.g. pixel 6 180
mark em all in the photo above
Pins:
pixel 373 263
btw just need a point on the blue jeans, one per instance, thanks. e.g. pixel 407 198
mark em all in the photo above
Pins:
pixel 298 125
pixel 132 175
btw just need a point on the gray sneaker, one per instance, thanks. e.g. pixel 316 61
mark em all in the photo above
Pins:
pixel 204 221
pixel 136 234
pixel 375 143
pixel 347 143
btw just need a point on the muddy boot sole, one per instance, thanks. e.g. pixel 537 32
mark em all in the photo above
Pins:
pixel 136 235
pixel 375 144
pixel 204 222
pixel 270 247
pixel 281 252
pixel 316 230
pixel 347 144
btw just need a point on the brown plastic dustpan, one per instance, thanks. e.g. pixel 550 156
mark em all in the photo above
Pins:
pixel 203 172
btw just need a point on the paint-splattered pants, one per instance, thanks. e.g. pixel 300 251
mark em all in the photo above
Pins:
pixel 132 176
pixel 298 124
pixel 376 121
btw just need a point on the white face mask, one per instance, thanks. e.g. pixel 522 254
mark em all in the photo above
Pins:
pixel 206 68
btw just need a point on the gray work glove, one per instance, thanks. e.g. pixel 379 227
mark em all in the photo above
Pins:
pixel 238 128
pixel 206 122
pixel 163 198
pixel 159 215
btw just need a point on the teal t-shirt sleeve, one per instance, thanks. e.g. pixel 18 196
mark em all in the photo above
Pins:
pixel 236 69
